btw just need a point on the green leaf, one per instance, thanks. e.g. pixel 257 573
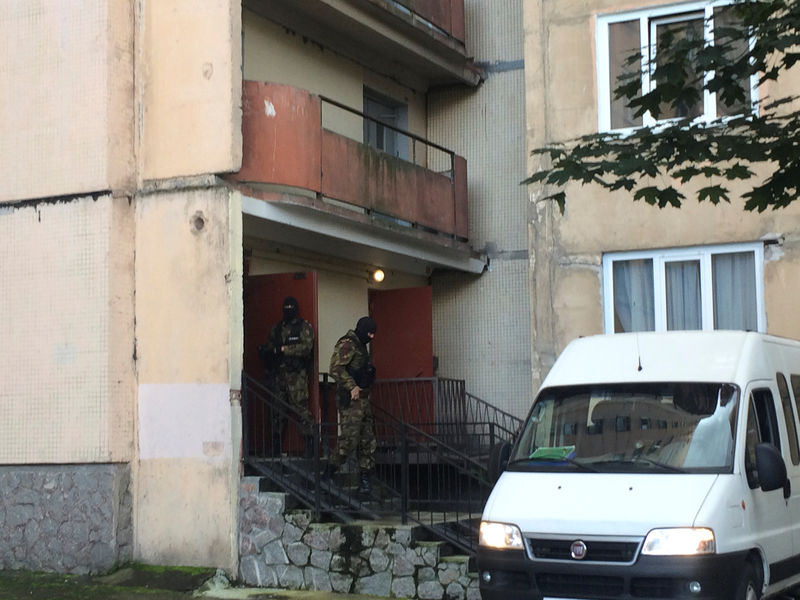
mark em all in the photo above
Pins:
pixel 713 194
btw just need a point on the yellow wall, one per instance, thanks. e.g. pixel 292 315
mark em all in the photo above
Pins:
pixel 66 298
pixel 121 335
pixel 320 71
pixel 188 291
pixel 566 286
pixel 190 84
pixel 66 97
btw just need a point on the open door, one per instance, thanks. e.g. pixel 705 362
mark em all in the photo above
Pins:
pixel 263 308
pixel 403 346
pixel 403 353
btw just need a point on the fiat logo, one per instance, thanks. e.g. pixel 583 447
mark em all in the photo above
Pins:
pixel 577 550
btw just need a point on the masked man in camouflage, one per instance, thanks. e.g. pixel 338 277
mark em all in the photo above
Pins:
pixel 352 368
pixel 287 356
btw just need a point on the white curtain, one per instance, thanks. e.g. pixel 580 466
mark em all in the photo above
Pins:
pixel 633 295
pixel 734 277
pixel 683 295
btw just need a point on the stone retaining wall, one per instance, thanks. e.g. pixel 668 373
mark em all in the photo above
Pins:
pixel 281 549
pixel 65 518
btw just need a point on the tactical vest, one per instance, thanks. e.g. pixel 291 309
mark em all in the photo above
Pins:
pixel 361 368
pixel 292 363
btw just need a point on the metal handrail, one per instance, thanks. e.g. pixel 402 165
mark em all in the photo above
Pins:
pixel 420 473
pixel 444 408
pixel 413 136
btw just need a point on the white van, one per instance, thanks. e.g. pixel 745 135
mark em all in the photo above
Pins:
pixel 653 465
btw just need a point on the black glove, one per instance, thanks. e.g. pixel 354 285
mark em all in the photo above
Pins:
pixel 343 398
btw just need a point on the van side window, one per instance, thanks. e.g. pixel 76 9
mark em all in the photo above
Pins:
pixel 795 380
pixel 762 426
pixel 788 415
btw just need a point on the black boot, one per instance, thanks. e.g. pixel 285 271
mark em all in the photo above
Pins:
pixel 329 472
pixel 364 488
pixel 309 449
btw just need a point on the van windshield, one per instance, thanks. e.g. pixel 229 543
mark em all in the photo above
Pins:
pixel 624 428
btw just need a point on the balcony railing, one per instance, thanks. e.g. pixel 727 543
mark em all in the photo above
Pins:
pixel 296 139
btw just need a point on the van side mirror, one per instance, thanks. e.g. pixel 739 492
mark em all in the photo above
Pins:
pixel 771 468
pixel 498 459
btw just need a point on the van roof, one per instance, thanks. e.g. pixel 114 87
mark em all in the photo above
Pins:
pixel 712 356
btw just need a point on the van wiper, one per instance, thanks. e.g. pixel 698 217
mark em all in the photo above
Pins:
pixel 641 460
pixel 554 459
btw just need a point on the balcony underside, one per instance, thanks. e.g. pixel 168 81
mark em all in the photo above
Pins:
pixel 422 45
pixel 313 225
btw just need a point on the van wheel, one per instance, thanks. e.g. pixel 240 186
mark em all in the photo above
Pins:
pixel 749 584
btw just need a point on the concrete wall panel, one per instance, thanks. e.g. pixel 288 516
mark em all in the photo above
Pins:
pixel 191 88
pixel 67 332
pixel 482 324
pixel 188 287
pixel 66 97
pixel 182 261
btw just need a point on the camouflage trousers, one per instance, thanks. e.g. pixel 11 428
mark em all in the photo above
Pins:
pixel 356 434
pixel 292 388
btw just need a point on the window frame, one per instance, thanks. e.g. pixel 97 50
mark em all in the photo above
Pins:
pixel 647 18
pixel 761 408
pixel 660 257
pixel 393 137
pixel 789 418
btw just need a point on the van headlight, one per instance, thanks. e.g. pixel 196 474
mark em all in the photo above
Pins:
pixel 679 541
pixel 501 536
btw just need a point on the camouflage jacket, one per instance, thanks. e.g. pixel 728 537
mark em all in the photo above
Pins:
pixel 349 356
pixel 298 339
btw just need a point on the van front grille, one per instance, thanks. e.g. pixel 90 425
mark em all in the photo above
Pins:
pixel 572 586
pixel 596 550
pixel 655 587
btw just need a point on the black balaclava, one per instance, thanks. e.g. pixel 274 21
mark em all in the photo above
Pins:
pixel 290 309
pixel 365 325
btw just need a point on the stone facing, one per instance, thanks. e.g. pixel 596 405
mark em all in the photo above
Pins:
pixel 65 518
pixel 286 550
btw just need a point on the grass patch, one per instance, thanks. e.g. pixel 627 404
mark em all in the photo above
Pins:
pixel 127 583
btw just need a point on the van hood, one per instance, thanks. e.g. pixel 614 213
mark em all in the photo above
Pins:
pixel 597 503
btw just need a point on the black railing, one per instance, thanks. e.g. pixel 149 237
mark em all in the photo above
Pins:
pixel 445 410
pixel 403 145
pixel 419 474
pixel 275 446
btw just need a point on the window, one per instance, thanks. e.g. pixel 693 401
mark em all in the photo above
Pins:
pixel 762 426
pixel 708 287
pixel 795 379
pixel 788 417
pixel 385 111
pixel 652 427
pixel 620 36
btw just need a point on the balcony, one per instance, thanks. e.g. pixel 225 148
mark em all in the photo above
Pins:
pixel 419 42
pixel 300 151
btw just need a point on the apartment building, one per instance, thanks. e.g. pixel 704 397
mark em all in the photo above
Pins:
pixel 169 171
pixel 609 264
